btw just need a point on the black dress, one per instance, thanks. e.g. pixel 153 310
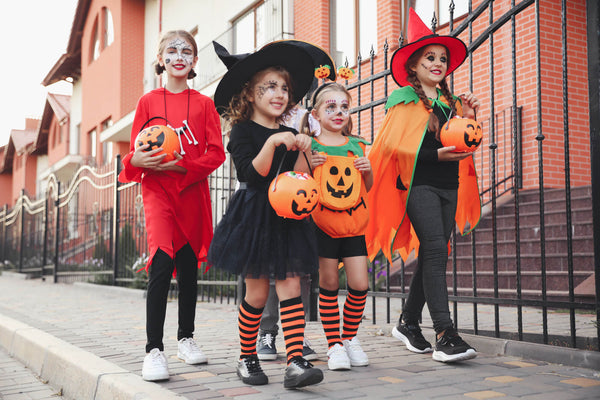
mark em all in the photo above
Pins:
pixel 251 239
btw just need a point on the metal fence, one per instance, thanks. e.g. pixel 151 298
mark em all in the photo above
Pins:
pixel 93 228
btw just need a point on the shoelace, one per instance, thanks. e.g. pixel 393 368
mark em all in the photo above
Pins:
pixel 191 343
pixel 268 340
pixel 301 362
pixel 253 366
pixel 354 344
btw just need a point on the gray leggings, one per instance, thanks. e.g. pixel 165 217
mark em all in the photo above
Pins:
pixel 431 212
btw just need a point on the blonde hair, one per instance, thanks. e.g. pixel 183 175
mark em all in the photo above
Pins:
pixel 240 108
pixel 163 43
pixel 316 102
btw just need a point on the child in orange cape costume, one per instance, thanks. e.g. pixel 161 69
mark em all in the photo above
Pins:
pixel 422 188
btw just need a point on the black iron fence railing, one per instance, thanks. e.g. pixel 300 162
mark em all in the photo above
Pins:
pixel 535 248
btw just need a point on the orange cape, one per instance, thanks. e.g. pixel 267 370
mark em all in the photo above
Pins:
pixel 394 154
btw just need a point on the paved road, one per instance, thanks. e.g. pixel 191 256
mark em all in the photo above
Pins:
pixel 84 330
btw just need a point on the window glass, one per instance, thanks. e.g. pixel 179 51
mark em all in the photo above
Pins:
pixel 95 49
pixel 109 33
pixel 244 34
pixel 426 8
pixel 347 39
pixel 368 27
pixel 344 32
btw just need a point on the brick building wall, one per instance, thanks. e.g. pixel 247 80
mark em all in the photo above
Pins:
pixel 312 22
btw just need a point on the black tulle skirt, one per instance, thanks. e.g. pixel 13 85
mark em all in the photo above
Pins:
pixel 253 241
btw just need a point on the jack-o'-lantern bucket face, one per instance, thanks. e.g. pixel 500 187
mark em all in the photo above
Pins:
pixel 159 136
pixel 340 182
pixel 293 195
pixel 463 133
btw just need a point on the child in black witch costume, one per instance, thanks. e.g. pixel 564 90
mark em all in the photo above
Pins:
pixel 251 239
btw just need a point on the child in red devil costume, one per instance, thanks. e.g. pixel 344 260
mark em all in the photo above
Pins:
pixel 176 196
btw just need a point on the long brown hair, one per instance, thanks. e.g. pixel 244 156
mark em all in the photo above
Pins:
pixel 159 69
pixel 317 101
pixel 434 122
pixel 240 108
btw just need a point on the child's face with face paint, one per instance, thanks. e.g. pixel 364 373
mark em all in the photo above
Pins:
pixel 178 57
pixel 270 97
pixel 333 111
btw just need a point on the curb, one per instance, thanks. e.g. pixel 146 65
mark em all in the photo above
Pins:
pixel 78 373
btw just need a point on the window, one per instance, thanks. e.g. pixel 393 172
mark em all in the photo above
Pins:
pixel 106 146
pixel 92 143
pixel 426 8
pixel 108 30
pixel 353 29
pixel 262 24
pixel 95 43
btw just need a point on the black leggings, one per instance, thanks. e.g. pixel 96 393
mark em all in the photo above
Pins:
pixel 431 212
pixel 159 281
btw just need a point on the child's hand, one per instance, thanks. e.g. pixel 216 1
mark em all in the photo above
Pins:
pixel 286 138
pixel 317 159
pixel 303 142
pixel 171 165
pixel 447 154
pixel 470 105
pixel 363 165
pixel 146 159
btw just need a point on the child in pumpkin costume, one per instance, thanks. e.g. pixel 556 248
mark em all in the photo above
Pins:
pixel 251 239
pixel 421 188
pixel 344 175
pixel 176 196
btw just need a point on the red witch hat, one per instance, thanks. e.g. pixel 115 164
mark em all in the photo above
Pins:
pixel 419 36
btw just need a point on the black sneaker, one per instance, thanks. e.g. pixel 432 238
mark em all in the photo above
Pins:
pixel 265 347
pixel 301 373
pixel 412 337
pixel 307 352
pixel 450 347
pixel 250 372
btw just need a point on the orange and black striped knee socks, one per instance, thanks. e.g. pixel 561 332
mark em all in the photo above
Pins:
pixel 329 311
pixel 353 312
pixel 248 321
pixel 292 324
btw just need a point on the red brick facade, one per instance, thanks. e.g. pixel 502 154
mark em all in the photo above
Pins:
pixel 312 22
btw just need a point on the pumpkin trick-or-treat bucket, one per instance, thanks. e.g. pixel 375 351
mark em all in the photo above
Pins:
pixel 159 136
pixel 463 133
pixel 293 194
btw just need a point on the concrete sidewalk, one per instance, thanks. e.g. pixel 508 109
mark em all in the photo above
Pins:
pixel 88 341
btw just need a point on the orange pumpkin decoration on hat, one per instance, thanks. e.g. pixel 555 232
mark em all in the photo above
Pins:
pixel 339 182
pixel 159 136
pixel 293 195
pixel 463 133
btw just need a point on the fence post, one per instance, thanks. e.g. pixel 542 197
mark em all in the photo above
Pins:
pixel 4 233
pixel 45 248
pixel 22 239
pixel 57 233
pixel 115 219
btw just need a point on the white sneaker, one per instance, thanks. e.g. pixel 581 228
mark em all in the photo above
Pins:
pixel 188 351
pixel 358 358
pixel 337 358
pixel 155 366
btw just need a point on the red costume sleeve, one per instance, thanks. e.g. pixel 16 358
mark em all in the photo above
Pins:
pixel 199 168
